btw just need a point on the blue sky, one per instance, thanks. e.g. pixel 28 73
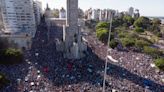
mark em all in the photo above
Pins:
pixel 146 7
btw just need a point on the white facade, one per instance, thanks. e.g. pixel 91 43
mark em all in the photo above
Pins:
pixel 1 21
pixel 37 11
pixel 62 13
pixel 18 16
pixel 109 14
pixel 131 11
pixel 95 14
pixel 88 14
pixel 106 14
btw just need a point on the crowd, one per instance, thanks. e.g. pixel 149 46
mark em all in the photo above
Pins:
pixel 45 70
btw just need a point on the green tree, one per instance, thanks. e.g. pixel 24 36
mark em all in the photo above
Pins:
pixel 141 43
pixel 122 34
pixel 142 22
pixel 102 35
pixel 138 30
pixel 113 43
pixel 128 20
pixel 156 21
pixel 56 13
pixel 117 22
pixel 156 26
pixel 126 42
pixel 11 56
pixel 102 25
pixel 152 51
pixel 160 63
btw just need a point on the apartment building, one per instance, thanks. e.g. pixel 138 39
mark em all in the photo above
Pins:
pixel 1 21
pixel 18 16
pixel 37 11
pixel 131 11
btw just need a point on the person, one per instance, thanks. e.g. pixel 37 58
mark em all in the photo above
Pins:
pixel 69 66
pixel 45 69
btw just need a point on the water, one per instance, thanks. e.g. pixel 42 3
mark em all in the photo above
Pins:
pixel 161 18
pixel 162 21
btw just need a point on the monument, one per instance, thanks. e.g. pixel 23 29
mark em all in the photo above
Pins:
pixel 74 47
pixel 70 43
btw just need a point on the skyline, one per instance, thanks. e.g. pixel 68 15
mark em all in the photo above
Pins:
pixel 145 6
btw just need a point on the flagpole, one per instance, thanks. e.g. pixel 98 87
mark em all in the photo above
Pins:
pixel 106 59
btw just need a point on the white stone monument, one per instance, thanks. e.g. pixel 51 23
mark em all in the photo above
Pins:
pixel 74 46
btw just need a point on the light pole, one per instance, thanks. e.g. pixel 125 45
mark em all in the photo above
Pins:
pixel 106 59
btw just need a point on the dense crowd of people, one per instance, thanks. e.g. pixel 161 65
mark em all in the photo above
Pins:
pixel 45 70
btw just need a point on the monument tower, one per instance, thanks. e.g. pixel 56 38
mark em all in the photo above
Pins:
pixel 74 46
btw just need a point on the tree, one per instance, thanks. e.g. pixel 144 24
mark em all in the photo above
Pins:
pixel 160 63
pixel 102 35
pixel 102 25
pixel 122 34
pixel 154 52
pixel 56 13
pixel 142 22
pixel 11 56
pixel 156 21
pixel 156 25
pixel 126 42
pixel 138 30
pixel 141 43
pixel 113 43
pixel 117 22
pixel 128 20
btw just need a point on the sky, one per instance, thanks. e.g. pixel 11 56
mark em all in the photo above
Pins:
pixel 146 7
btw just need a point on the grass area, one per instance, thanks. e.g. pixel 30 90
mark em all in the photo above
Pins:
pixel 148 35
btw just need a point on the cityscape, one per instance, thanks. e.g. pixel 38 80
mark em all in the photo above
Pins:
pixel 72 49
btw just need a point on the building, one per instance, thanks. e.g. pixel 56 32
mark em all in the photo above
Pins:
pixel 1 20
pixel 102 15
pixel 131 11
pixel 88 14
pixel 62 13
pixel 37 11
pixel 18 17
pixel 136 14
pixel 109 14
pixel 95 14
pixel 106 14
